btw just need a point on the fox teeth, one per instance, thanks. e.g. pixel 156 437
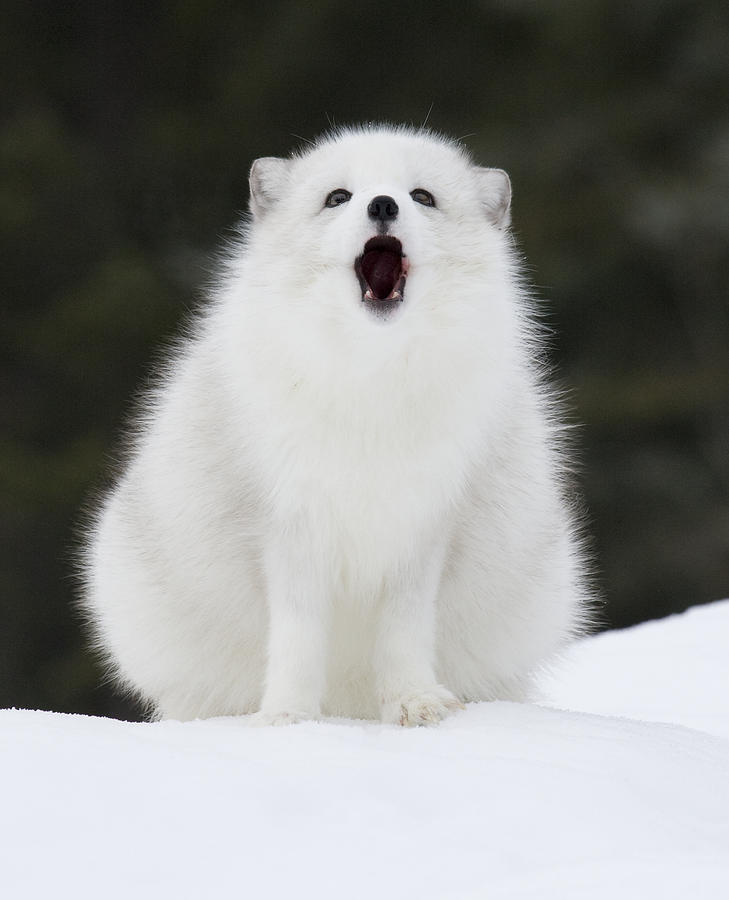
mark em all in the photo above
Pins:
pixel 395 295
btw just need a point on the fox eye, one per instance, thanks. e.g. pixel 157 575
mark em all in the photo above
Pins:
pixel 423 197
pixel 336 198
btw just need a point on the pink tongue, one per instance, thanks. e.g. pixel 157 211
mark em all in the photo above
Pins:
pixel 381 269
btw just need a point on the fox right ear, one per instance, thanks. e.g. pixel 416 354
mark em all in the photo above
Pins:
pixel 267 180
pixel 495 195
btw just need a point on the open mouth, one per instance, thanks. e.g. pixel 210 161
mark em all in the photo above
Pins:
pixel 382 271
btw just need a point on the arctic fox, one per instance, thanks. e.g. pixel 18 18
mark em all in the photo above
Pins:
pixel 346 497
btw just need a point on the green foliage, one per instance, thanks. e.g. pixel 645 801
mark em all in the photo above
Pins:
pixel 126 136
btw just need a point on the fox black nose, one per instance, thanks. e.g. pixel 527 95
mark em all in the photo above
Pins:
pixel 383 208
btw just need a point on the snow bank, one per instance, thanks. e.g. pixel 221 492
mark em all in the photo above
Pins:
pixel 670 670
pixel 501 800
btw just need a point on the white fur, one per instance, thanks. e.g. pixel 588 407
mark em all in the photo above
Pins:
pixel 330 513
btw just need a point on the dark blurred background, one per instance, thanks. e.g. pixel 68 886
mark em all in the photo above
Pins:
pixel 126 135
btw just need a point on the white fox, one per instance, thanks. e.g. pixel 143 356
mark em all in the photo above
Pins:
pixel 347 495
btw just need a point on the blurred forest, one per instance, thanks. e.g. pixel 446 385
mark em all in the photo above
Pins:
pixel 126 135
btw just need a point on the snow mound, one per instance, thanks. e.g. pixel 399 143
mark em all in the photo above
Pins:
pixel 502 800
pixel 670 670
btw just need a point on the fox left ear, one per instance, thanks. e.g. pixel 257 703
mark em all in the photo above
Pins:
pixel 267 180
pixel 496 195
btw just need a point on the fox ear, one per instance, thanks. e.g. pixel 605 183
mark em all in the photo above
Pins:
pixel 267 180
pixel 496 196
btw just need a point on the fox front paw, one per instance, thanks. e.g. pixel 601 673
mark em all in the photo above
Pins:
pixel 426 707
pixel 265 717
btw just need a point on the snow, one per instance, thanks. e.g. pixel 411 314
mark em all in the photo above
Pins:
pixel 502 800
pixel 671 670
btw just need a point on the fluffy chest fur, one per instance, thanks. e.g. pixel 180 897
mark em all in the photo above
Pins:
pixel 366 465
